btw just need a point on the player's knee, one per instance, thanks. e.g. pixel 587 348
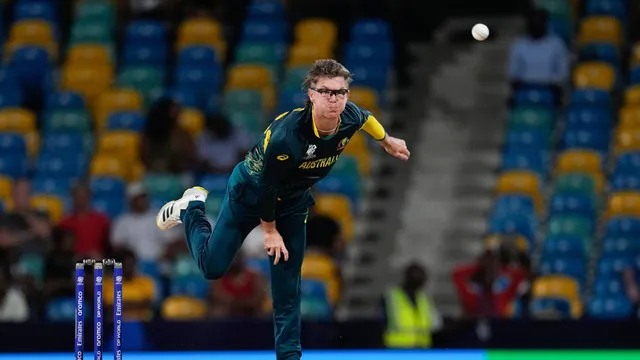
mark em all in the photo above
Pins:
pixel 212 271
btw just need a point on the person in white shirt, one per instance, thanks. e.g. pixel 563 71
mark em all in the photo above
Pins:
pixel 137 230
pixel 13 304
pixel 221 145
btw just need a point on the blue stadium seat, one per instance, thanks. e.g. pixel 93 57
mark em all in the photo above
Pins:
pixel 66 143
pixel 628 162
pixel 290 99
pixel 526 139
pixel 534 96
pixel 31 64
pixel 190 285
pixel 13 166
pixel 560 306
pixel 605 52
pixel 623 227
pixel 534 161
pixel 589 117
pixel 610 307
pixel 35 10
pixel 112 207
pixel 13 144
pixel 186 97
pixel 586 139
pixel 313 289
pixel 202 82
pixel 62 309
pixel 260 266
pixel 514 223
pixel 264 31
pixel 562 28
pixel 611 264
pixel 608 285
pixel 514 203
pixel 574 267
pixel 149 268
pixel 563 245
pixel 615 8
pixel 146 31
pixel 369 53
pixel 132 121
pixel 197 56
pixel 9 78
pixel 272 9
pixel 216 184
pixel 108 187
pixel 370 31
pixel 10 98
pixel 52 165
pixel 59 187
pixel 634 76
pixel 591 97
pixel 625 182
pixel 154 54
pixel 336 184
pixel 65 100
pixel 572 204
pixel 372 76
pixel 620 246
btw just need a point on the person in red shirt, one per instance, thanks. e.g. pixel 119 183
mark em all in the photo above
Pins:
pixel 478 286
pixel 90 227
pixel 240 293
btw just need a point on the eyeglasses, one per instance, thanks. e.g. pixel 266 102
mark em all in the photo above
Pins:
pixel 340 93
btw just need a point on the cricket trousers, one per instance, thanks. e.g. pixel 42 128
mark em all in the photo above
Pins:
pixel 214 250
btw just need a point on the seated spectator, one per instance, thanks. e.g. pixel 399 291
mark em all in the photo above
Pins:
pixel 137 230
pixel 410 297
pixel 241 292
pixel 90 227
pixel 480 290
pixel 632 289
pixel 59 266
pixel 324 234
pixel 13 304
pixel 539 58
pixel 138 291
pixel 221 145
pixel 166 147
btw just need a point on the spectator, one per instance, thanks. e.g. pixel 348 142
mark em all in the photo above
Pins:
pixel 59 265
pixel 241 292
pixel 411 317
pixel 13 304
pixel 539 58
pixel 90 227
pixel 632 289
pixel 166 147
pixel 221 145
pixel 137 230
pixel 138 291
pixel 479 287
pixel 325 235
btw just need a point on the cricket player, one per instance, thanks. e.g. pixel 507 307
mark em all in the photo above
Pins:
pixel 271 188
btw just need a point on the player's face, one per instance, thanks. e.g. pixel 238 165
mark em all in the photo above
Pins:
pixel 329 97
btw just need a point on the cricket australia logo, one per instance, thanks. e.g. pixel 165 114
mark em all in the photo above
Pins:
pixel 311 152
pixel 343 143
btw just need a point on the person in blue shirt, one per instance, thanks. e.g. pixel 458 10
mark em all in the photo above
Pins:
pixel 271 188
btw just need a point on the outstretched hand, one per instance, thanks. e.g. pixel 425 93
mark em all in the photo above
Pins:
pixel 396 147
pixel 274 245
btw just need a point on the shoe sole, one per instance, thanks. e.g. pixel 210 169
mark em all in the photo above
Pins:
pixel 171 204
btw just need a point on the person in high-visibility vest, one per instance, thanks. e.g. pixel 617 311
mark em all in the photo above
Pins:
pixel 410 315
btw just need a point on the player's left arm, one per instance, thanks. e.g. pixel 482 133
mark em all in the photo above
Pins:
pixel 394 146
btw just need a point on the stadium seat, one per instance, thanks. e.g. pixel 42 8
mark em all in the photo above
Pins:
pixel 109 166
pixel 116 100
pixel 304 54
pixel 610 307
pixel 146 31
pixel 163 186
pixel 623 226
pixel 199 31
pixel 370 30
pixel 608 285
pixel 253 77
pixel 32 32
pixel 594 75
pixel 581 161
pixel 125 120
pixel 100 11
pixel 571 267
pixel 17 120
pixel 107 187
pixel 51 205
pixel 564 245
pixel 176 308
pixel 316 31
pixel 624 204
pixel 632 96
pixel 575 183
pixel 83 55
pixel 601 29
pixel 365 98
pixel 65 100
pixel 322 268
pixel 6 187
pixel 216 184
pixel 123 144
pixel 111 207
pixel 190 285
pixel 137 54
pixel 197 56
pixel 339 208
pixel 242 100
pixel 191 120
pixel 258 53
pixel 89 81
pixel 591 97
pixel 556 287
pixel 571 225
pixel 520 182
pixel 88 32
pixel 67 121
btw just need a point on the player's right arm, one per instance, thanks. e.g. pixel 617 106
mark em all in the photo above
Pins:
pixel 277 162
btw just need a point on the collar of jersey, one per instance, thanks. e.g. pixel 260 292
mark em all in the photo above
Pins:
pixel 315 129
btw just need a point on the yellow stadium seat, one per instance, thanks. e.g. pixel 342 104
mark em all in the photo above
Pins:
pixel 89 55
pixel 199 31
pixel 105 165
pixel 17 120
pixel 52 205
pixel 629 117
pixel 33 143
pixel 627 140
pixel 364 97
pixel 496 240
pixel 32 32
pixel 269 98
pixel 191 120
pixel 6 188
pixel 600 29
pixel 121 143
pixel 556 286
pixel 521 182
pixel 89 81
pixel 116 100
pixel 183 308
pixel 594 75
pixel 339 208
pixel 254 77
pixel 322 32
pixel 321 267
pixel 624 204
pixel 585 161
pixel 303 54
pixel 632 96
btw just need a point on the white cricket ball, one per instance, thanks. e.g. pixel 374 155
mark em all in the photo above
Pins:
pixel 480 32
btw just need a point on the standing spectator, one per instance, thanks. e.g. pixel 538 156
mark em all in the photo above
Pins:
pixel 539 58
pixel 241 292
pixel 13 304
pixel 59 266
pixel 137 230
pixel 479 289
pixel 221 145
pixel 166 147
pixel 90 227
pixel 411 316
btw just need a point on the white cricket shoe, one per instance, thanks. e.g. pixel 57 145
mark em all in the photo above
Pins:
pixel 169 215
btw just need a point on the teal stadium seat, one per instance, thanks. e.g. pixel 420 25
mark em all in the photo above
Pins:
pixel 89 32
pixel 163 186
pixel 65 121
pixel 96 11
pixel 242 100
